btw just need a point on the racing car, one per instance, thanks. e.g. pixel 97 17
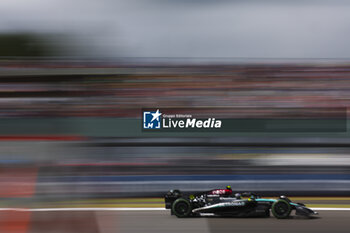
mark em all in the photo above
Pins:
pixel 221 202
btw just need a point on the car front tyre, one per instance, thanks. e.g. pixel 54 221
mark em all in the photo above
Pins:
pixel 281 209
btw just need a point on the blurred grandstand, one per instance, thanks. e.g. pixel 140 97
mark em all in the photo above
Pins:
pixel 76 126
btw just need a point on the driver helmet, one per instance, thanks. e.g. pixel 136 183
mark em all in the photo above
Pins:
pixel 228 187
pixel 238 195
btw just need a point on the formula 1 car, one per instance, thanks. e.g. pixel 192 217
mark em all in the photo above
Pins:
pixel 209 204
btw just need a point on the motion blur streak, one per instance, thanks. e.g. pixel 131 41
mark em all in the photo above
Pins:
pixel 78 124
pixel 14 221
pixel 77 76
pixel 71 136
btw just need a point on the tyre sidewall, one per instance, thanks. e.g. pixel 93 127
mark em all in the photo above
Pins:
pixel 281 216
pixel 180 215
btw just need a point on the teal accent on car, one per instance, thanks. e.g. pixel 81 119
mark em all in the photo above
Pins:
pixel 269 200
pixel 274 200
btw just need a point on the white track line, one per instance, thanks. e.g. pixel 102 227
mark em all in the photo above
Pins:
pixel 340 209
pixel 120 209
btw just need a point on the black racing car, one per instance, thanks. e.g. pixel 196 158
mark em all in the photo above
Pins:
pixel 206 204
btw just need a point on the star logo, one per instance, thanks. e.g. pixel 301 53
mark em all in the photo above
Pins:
pixel 151 120
pixel 156 115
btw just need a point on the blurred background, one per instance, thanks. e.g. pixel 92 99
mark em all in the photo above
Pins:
pixel 75 76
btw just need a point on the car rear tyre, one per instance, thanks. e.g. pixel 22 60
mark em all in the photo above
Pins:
pixel 281 209
pixel 181 208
